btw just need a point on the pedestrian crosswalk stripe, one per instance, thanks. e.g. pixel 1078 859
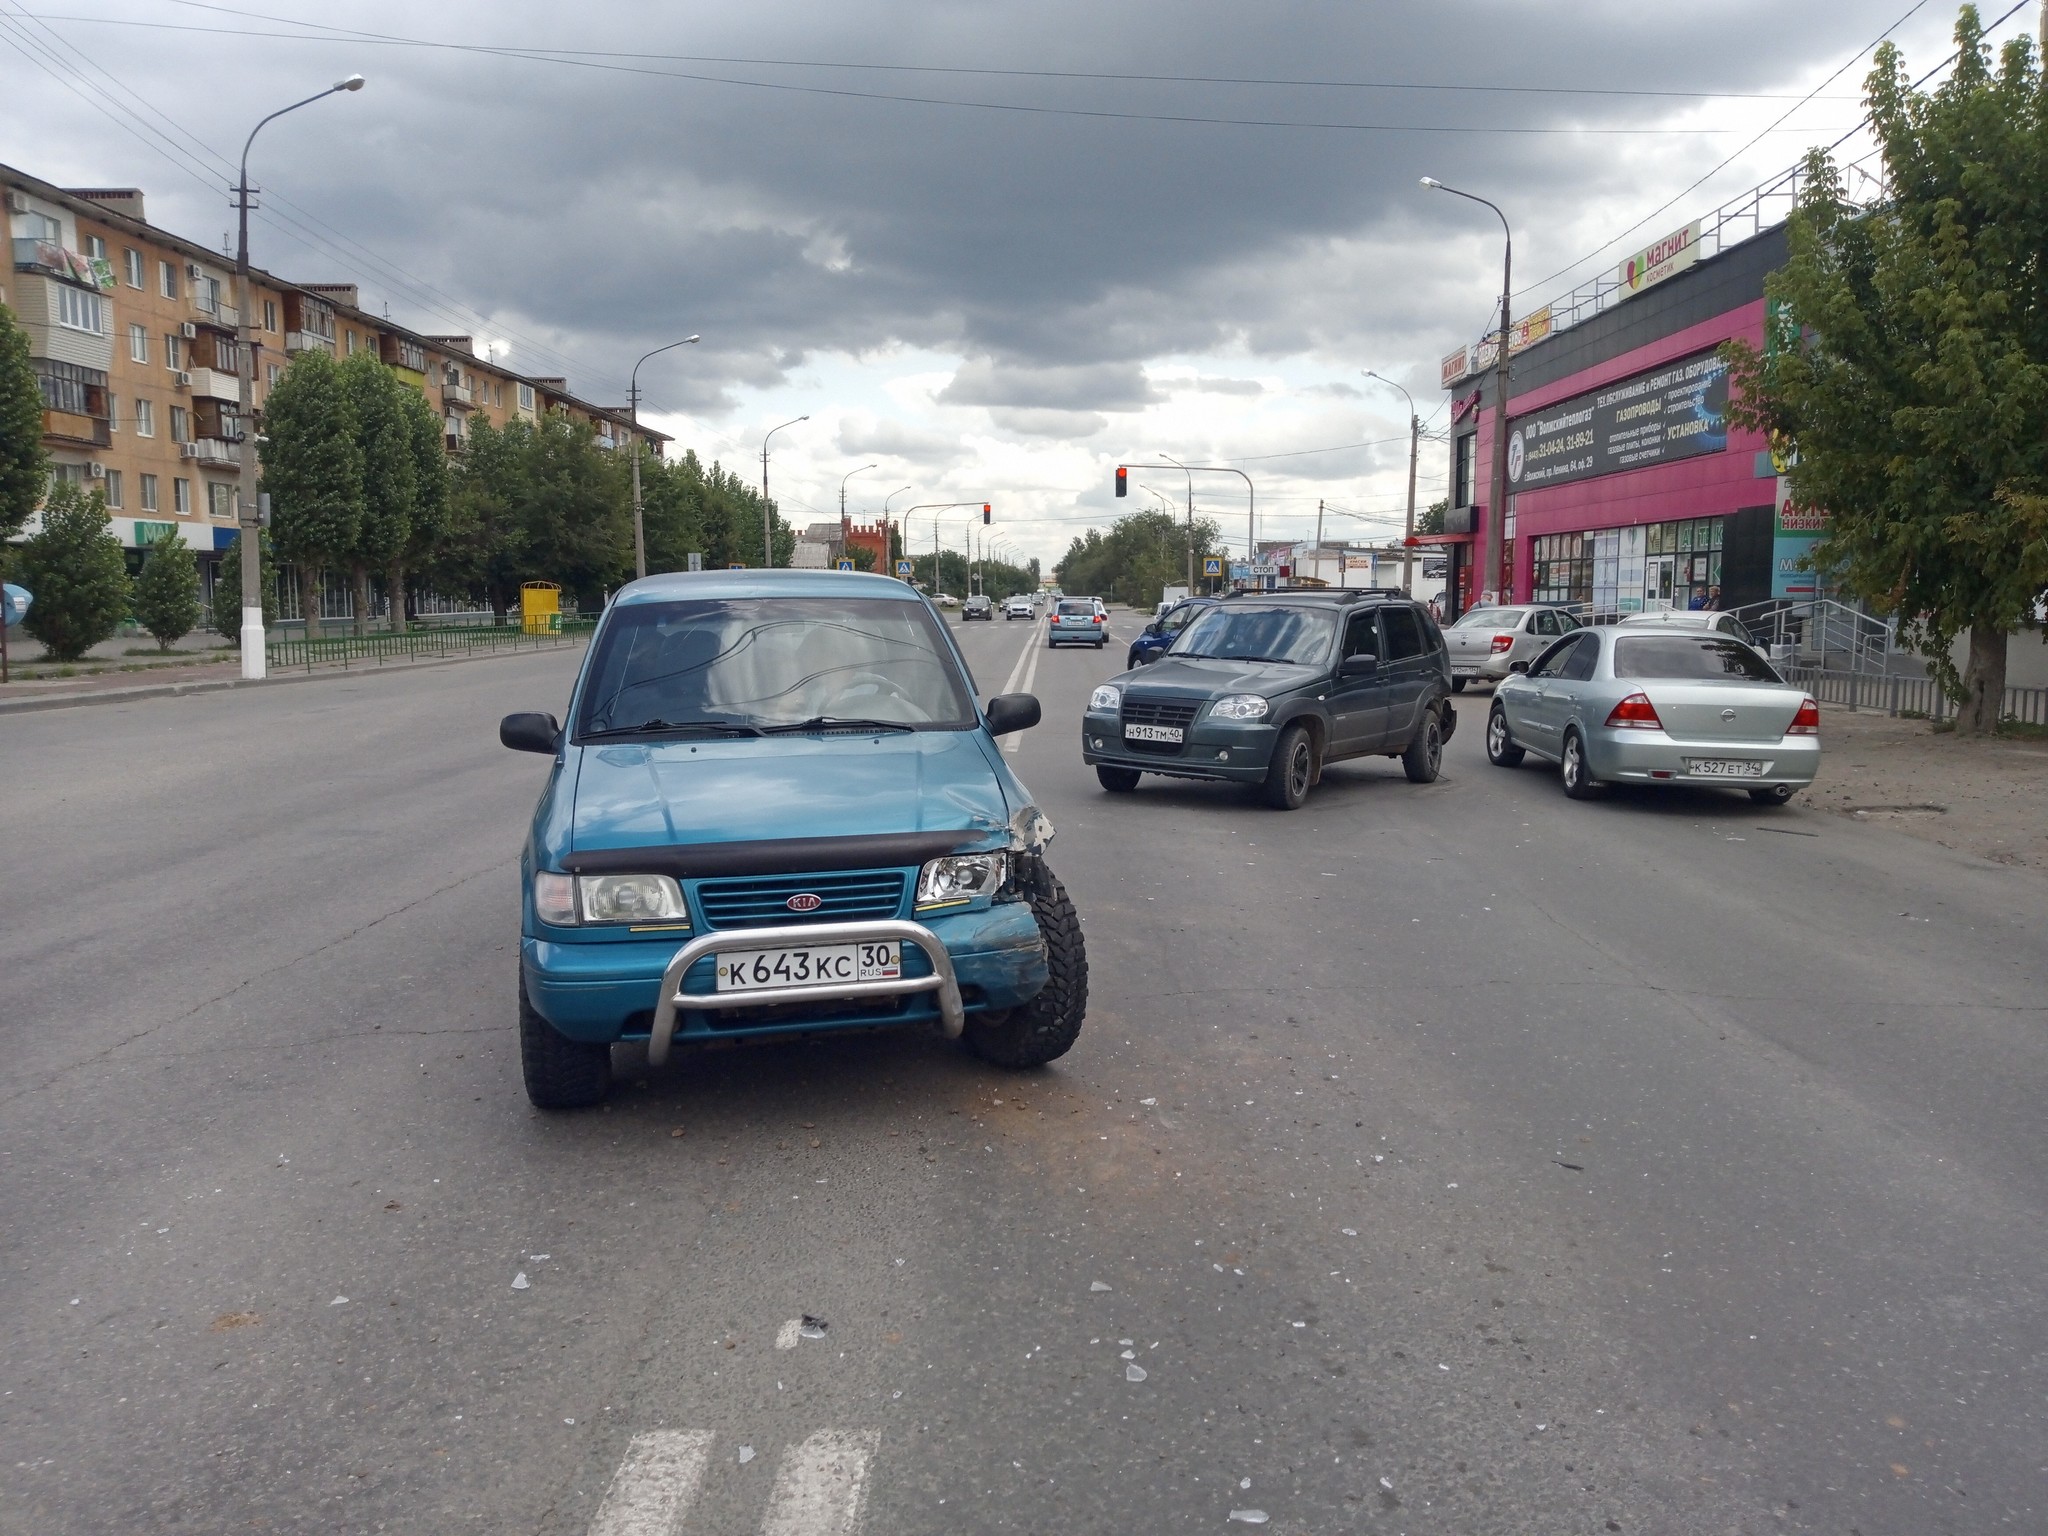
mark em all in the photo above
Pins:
pixel 655 1485
pixel 820 1485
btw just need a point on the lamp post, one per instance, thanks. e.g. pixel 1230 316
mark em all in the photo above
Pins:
pixel 1414 445
pixel 254 657
pixel 768 517
pixel 845 528
pixel 1251 505
pixel 633 405
pixel 935 508
pixel 1497 514
pixel 888 550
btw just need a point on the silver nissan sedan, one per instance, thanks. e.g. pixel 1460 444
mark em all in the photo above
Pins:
pixel 1633 704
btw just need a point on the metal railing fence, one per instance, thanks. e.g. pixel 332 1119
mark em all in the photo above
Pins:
pixel 1899 695
pixel 418 644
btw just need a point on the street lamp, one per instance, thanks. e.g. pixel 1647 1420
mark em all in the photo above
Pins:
pixel 845 528
pixel 254 656
pixel 935 508
pixel 633 399
pixel 888 558
pixel 1251 505
pixel 767 517
pixel 1414 445
pixel 1496 517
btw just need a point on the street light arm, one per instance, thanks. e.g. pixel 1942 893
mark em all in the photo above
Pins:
pixel 352 83
pixel 1471 197
pixel 634 384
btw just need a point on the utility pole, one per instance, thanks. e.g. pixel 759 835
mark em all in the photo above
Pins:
pixel 255 655
pixel 1319 543
pixel 846 528
pixel 633 405
pixel 768 517
pixel 1414 448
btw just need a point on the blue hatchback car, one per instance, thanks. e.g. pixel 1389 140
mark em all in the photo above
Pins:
pixel 776 809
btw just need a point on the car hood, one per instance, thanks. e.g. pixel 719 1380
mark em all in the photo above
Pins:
pixel 682 792
pixel 1201 677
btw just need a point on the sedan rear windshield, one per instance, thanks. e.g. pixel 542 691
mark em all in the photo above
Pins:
pixel 1490 618
pixel 741 665
pixel 1083 609
pixel 1690 658
pixel 1282 632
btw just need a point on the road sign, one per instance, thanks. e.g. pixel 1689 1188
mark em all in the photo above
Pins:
pixel 696 560
pixel 1212 565
pixel 14 603
pixel 737 565
pixel 903 569
pixel 845 565
pixel 1265 570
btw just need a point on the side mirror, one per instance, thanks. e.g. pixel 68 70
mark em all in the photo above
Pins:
pixel 1359 666
pixel 1009 712
pixel 530 733
pixel 1520 668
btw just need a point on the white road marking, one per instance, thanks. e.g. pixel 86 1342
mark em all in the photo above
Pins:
pixel 655 1485
pixel 1030 636
pixel 820 1485
pixel 1031 653
pixel 787 1336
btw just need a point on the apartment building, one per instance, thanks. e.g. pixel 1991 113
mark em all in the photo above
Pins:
pixel 132 330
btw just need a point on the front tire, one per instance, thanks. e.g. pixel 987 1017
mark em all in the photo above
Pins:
pixel 1045 1028
pixel 1292 770
pixel 560 1073
pixel 1118 781
pixel 1579 783
pixel 1501 750
pixel 1424 758
pixel 1776 794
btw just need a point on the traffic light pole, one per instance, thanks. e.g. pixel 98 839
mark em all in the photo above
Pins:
pixel 1191 470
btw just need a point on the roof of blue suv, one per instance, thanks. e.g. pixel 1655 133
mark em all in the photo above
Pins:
pixel 674 585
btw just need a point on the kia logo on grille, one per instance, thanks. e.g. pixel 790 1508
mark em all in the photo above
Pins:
pixel 804 901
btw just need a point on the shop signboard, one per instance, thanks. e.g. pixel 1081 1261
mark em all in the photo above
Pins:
pixel 1665 258
pixel 1455 367
pixel 1528 330
pixel 1795 531
pixel 1674 412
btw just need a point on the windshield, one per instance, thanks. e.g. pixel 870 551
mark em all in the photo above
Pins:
pixel 1690 658
pixel 1490 618
pixel 1289 633
pixel 739 665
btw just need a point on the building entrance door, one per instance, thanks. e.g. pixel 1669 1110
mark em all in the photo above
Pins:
pixel 1659 574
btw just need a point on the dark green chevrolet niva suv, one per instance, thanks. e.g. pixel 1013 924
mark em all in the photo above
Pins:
pixel 1267 687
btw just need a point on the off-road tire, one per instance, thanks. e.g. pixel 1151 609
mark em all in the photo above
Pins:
pixel 1118 781
pixel 560 1073
pixel 1424 757
pixel 1458 684
pixel 1501 750
pixel 1578 780
pixel 1292 770
pixel 1776 794
pixel 1045 1028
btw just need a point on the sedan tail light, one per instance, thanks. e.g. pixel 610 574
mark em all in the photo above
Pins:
pixel 1503 643
pixel 1101 618
pixel 1806 722
pixel 1634 713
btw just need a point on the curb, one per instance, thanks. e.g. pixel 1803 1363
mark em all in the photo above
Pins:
pixel 173 690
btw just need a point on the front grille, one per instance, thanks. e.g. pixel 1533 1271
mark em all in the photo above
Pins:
pixel 1170 712
pixel 763 902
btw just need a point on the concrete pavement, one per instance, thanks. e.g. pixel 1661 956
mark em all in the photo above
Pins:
pixel 1451 1158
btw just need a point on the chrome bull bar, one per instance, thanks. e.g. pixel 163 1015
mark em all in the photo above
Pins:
pixel 738 941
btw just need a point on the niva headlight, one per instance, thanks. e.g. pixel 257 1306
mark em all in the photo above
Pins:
pixel 1107 697
pixel 1238 706
pixel 961 877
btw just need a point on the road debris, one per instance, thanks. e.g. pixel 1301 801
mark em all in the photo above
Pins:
pixel 520 1282
pixel 1249 1516
pixel 1134 1373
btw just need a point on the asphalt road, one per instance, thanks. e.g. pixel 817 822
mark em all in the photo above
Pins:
pixel 1449 1159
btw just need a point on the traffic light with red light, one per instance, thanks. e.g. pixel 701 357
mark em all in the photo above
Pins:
pixel 1123 481
pixel 985 518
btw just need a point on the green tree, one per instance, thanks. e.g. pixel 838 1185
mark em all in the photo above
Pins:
pixel 1142 554
pixel 24 467
pixel 1907 364
pixel 390 477
pixel 77 572
pixel 167 591
pixel 575 509
pixel 432 526
pixel 227 590
pixel 313 470
pixel 1433 515
pixel 485 549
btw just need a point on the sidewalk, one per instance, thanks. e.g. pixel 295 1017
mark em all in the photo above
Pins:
pixel 1987 797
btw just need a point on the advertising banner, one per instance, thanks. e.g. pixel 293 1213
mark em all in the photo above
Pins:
pixel 1674 412
pixel 1529 329
pixel 1798 528
pixel 1455 367
pixel 1666 258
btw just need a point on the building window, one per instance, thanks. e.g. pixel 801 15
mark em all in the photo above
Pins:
pixel 79 309
pixel 148 492
pixel 1564 568
pixel 131 259
pixel 113 413
pixel 220 499
pixel 181 424
pixel 95 247
pixel 42 227
pixel 270 314
pixel 167 279
pixel 145 424
pixel 138 343
pixel 498 394
pixel 181 496
pixel 174 350
pixel 526 397
pixel 1465 460
pixel 69 387
pixel 113 488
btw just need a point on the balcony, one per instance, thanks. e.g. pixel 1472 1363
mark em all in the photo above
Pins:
pixel 72 427
pixel 52 260
pixel 458 397
pixel 213 384
pixel 307 341
pixel 212 452
pixel 222 316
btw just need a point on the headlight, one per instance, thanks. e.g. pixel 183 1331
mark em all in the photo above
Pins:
pixel 554 899
pixel 631 899
pixel 1108 696
pixel 1239 706
pixel 961 877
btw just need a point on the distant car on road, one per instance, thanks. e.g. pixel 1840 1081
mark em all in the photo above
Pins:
pixel 1267 688
pixel 1155 637
pixel 1019 607
pixel 777 809
pixel 1642 704
pixel 977 607
pixel 947 600
pixel 1077 621
pixel 1485 643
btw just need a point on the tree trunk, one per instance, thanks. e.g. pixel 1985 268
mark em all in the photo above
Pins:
pixel 1983 682
pixel 309 598
pixel 394 585
pixel 499 607
pixel 359 582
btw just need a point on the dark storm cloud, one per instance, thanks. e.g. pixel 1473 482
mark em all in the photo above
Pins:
pixel 590 210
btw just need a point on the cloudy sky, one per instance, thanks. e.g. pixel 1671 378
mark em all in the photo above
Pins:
pixel 992 249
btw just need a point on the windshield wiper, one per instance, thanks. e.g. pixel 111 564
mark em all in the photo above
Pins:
pixel 835 723
pixel 651 727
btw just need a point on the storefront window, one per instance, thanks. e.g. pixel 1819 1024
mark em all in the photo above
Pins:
pixel 1564 568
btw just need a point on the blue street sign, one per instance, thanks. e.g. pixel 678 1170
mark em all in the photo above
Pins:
pixel 846 565
pixel 903 569
pixel 1212 565
pixel 737 565
pixel 14 603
